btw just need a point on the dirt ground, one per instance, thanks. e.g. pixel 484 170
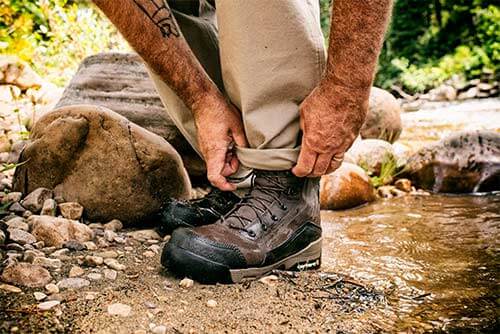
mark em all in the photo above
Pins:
pixel 288 302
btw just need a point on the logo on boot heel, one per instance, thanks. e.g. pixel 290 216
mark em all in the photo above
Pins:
pixel 308 265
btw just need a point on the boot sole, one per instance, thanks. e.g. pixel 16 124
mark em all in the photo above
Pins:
pixel 185 263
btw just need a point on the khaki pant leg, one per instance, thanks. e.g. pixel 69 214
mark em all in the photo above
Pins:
pixel 272 56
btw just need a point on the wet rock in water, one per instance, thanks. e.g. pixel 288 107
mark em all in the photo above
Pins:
pixel 49 207
pixel 371 154
pixel 13 71
pixel 345 188
pixel 35 199
pixel 120 82
pixel 18 223
pixel 21 237
pixel 390 192
pixel 403 185
pixel 95 157
pixel 54 231
pixel 383 120
pixel 71 210
pixel 73 283
pixel 119 309
pixel 45 306
pixel 26 274
pixel 464 162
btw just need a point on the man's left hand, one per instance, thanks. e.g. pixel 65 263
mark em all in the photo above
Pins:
pixel 330 118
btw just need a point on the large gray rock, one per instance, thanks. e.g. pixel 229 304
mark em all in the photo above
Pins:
pixel 464 162
pixel 93 156
pixel 383 120
pixel 120 82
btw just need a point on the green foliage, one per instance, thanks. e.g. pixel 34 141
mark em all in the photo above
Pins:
pixel 55 35
pixel 388 171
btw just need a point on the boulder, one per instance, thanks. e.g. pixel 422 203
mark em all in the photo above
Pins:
pixel 26 274
pixel 465 162
pixel 383 120
pixel 54 231
pixel 345 188
pixel 371 154
pixel 120 82
pixel 95 157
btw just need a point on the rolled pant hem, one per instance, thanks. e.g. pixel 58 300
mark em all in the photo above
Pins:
pixel 268 159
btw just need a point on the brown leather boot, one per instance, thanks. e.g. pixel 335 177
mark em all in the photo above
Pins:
pixel 275 226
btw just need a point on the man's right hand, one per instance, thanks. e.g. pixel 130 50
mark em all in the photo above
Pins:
pixel 219 127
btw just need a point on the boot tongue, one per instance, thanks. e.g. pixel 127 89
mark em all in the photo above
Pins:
pixel 275 179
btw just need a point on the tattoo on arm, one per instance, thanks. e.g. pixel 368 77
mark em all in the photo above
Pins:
pixel 159 13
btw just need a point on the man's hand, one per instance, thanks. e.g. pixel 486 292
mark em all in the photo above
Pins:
pixel 330 119
pixel 219 127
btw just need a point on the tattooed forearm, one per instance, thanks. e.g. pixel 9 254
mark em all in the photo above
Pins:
pixel 158 12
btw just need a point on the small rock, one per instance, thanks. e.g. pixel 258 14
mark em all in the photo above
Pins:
pixel 14 196
pixel 49 207
pixel 26 274
pixel 269 280
pixel 159 329
pixel 39 295
pixel 90 245
pixel 21 237
pixel 54 231
pixel 114 225
pixel 385 191
pixel 403 184
pixel 15 247
pixel 17 208
pixel 102 243
pixel 31 254
pixel 34 201
pixel 110 254
pixel 93 261
pixel 17 222
pixel 75 246
pixel 2 237
pixel 211 303
pixel 148 254
pixel 52 288
pixel 186 283
pixel 47 263
pixel 94 276
pixel 27 214
pixel 90 295
pixel 119 309
pixel 10 288
pixel 76 271
pixel 114 264
pixel 110 274
pixel 96 226
pixel 71 210
pixel 109 235
pixel 149 305
pixel 61 253
pixel 73 283
pixel 45 306
pixel 143 235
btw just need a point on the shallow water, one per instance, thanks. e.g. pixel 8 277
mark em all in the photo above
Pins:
pixel 435 258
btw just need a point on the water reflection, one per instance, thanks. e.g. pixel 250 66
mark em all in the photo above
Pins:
pixel 435 258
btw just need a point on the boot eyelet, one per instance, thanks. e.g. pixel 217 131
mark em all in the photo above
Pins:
pixel 264 227
pixel 284 207
pixel 251 233
pixel 273 217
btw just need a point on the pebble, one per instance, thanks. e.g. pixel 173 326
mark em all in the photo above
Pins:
pixel 14 196
pixel 39 295
pixel 90 245
pixel 149 254
pixel 90 295
pixel 95 226
pixel 270 280
pixel 52 288
pixel 47 263
pixel 17 222
pixel 45 306
pixel 110 254
pixel 114 225
pixel 49 208
pixel 27 214
pixel 63 252
pixel 143 235
pixel 17 209
pixel 119 309
pixel 110 274
pixel 74 245
pixel 155 248
pixel 21 237
pixel 93 261
pixel 31 254
pixel 76 271
pixel 109 235
pixel 73 283
pixel 150 305
pixel 211 303
pixel 71 210
pixel 14 247
pixel 159 329
pixel 403 185
pixel 114 264
pixel 10 288
pixel 186 283
pixel 34 201
pixel 94 276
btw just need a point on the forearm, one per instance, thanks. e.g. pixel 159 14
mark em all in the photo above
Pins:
pixel 150 28
pixel 356 36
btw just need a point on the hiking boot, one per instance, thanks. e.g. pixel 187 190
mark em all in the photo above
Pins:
pixel 180 213
pixel 275 226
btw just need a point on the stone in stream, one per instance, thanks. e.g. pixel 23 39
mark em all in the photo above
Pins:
pixel 35 199
pixel 54 231
pixel 120 82
pixel 383 120
pixel 49 207
pixel 345 188
pixel 93 156
pixel 71 210
pixel 26 274
pixel 464 162
pixel 371 154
